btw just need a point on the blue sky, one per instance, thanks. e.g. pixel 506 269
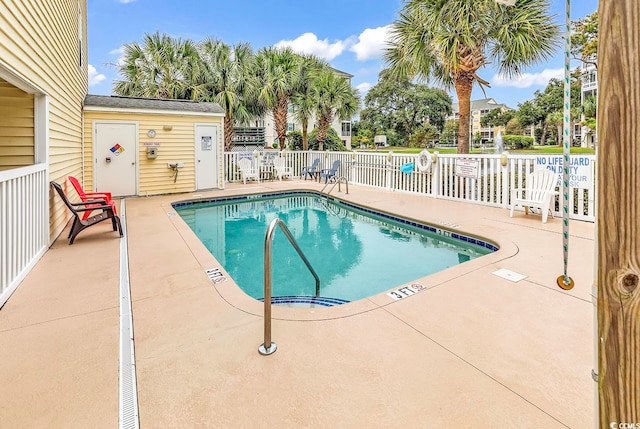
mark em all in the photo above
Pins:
pixel 350 34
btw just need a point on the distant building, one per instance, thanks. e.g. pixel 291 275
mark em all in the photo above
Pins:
pixel 586 136
pixel 479 108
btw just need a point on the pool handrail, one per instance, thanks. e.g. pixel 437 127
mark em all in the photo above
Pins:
pixel 337 182
pixel 269 347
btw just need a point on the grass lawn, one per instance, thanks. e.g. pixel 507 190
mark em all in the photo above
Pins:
pixel 535 150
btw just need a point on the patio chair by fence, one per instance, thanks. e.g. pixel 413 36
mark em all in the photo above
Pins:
pixel 281 169
pixel 538 192
pixel 78 209
pixel 330 173
pixel 311 170
pixel 87 196
pixel 248 171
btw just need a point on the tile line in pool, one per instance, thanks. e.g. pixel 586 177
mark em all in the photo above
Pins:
pixel 356 251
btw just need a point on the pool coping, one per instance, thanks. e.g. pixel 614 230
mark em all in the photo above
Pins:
pixel 228 289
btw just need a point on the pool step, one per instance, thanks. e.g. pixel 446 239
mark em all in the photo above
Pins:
pixel 311 300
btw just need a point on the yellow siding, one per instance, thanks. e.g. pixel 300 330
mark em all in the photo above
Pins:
pixel 16 127
pixel 40 43
pixel 176 145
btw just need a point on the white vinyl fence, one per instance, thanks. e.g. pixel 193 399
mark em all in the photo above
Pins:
pixel 484 180
pixel 24 223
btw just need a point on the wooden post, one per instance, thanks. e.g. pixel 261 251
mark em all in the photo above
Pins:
pixel 618 219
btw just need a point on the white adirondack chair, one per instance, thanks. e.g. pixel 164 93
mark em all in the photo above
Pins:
pixel 281 169
pixel 247 171
pixel 538 192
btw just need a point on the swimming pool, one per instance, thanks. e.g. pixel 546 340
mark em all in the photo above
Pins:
pixel 356 252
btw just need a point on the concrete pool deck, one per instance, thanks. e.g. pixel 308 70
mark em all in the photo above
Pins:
pixel 473 350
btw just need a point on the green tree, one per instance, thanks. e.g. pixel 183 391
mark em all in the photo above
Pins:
pixel 589 109
pixel 277 70
pixel 226 77
pixel 361 134
pixel 400 104
pixel 294 138
pixel 530 114
pixel 450 41
pixel 548 102
pixel 450 131
pixel 331 141
pixel 556 119
pixel 303 99
pixel 334 97
pixel 423 136
pixel 514 127
pixel 584 39
pixel 161 67
pixel 497 118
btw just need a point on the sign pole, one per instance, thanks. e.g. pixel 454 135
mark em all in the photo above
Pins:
pixel 564 281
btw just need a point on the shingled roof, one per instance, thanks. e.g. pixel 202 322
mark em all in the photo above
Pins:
pixel 118 102
pixel 481 104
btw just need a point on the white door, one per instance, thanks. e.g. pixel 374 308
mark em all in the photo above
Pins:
pixel 115 150
pixel 206 156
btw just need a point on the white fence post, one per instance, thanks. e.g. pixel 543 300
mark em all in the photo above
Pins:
pixel 492 188
pixel 24 223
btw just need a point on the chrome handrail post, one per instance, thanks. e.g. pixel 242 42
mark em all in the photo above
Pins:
pixel 269 346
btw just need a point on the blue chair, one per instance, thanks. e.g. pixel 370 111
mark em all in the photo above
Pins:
pixel 330 173
pixel 311 170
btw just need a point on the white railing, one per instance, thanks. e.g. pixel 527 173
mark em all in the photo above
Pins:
pixel 492 187
pixel 24 223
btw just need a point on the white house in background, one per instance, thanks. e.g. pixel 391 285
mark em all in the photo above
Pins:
pixel 589 89
pixel 262 131
pixel 480 108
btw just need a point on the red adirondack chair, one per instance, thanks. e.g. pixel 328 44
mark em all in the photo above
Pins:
pixel 89 196
pixel 105 211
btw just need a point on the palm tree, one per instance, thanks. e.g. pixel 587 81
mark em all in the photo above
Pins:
pixel 556 119
pixel 303 98
pixel 333 96
pixel 159 68
pixel 277 71
pixel 225 76
pixel 450 40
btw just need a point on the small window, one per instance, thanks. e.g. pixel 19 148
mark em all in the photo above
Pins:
pixel 291 126
pixel 346 128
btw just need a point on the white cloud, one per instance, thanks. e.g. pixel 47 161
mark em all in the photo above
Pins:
pixel 94 77
pixel 120 53
pixel 525 80
pixel 371 43
pixel 364 87
pixel 308 43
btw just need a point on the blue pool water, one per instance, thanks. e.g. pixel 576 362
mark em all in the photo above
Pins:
pixel 356 252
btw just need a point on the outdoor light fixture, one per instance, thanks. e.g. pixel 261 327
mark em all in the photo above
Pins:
pixel 353 155
pixel 434 156
pixel 389 155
